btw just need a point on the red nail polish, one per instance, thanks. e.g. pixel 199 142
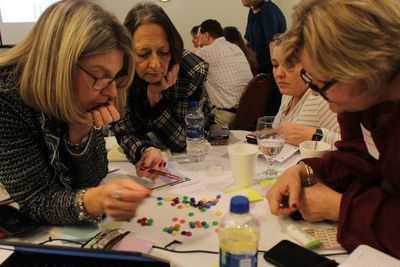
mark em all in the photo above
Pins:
pixel 294 206
pixel 160 164
pixel 165 164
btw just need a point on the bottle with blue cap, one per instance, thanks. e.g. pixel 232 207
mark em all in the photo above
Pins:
pixel 195 139
pixel 239 235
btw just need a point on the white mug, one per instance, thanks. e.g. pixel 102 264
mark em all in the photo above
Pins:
pixel 243 163
pixel 313 149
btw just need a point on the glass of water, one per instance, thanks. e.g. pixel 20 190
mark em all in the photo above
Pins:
pixel 270 143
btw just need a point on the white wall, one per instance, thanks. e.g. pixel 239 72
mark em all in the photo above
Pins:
pixel 287 8
pixel 187 13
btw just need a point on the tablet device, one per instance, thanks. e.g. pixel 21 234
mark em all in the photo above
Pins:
pixel 28 255
pixel 15 223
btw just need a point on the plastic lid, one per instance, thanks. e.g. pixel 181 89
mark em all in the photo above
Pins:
pixel 193 104
pixel 239 204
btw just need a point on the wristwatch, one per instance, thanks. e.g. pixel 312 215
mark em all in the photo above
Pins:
pixel 317 136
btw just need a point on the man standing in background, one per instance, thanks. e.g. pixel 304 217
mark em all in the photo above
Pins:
pixel 229 71
pixel 264 21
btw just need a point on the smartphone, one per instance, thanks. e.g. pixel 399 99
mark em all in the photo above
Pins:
pixel 14 223
pixel 251 138
pixel 289 254
pixel 219 134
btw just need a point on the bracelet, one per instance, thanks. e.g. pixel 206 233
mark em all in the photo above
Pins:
pixel 76 148
pixel 82 212
pixel 310 179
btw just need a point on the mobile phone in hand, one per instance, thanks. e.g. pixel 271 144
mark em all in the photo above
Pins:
pixel 289 254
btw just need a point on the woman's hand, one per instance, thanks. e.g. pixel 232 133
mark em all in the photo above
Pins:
pixel 97 117
pixel 295 134
pixel 283 197
pixel 118 199
pixel 319 202
pixel 154 90
pixel 151 160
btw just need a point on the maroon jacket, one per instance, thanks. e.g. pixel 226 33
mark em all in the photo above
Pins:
pixel 369 212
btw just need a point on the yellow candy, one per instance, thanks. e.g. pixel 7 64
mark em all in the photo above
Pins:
pixel 174 233
pixel 218 213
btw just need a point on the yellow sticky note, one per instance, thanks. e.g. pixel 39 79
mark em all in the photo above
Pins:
pixel 266 182
pixel 253 195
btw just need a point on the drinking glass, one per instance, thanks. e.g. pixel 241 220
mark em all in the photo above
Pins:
pixel 270 143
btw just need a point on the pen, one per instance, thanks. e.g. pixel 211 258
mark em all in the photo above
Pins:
pixel 166 174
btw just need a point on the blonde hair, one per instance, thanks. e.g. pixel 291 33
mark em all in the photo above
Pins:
pixel 44 61
pixel 347 39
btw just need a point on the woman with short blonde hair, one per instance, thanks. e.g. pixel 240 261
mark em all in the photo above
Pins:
pixel 349 50
pixel 58 87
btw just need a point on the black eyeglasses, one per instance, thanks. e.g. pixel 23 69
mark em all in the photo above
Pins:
pixel 100 83
pixel 314 87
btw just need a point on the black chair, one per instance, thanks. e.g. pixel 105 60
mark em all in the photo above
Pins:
pixel 254 102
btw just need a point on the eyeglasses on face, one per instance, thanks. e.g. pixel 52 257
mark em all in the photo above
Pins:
pixel 100 83
pixel 322 91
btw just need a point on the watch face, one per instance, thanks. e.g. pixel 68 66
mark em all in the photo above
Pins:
pixel 13 222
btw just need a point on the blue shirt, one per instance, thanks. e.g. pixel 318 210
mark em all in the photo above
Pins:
pixel 261 28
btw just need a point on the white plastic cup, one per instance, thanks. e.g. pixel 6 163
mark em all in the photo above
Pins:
pixel 243 163
pixel 313 149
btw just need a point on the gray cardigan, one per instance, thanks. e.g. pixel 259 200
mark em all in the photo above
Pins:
pixel 36 168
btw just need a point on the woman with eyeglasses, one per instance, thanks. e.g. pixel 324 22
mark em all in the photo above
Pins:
pixel 303 115
pixel 58 87
pixel 350 54
pixel 167 78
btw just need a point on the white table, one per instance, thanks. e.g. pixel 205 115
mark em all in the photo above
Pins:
pixel 201 185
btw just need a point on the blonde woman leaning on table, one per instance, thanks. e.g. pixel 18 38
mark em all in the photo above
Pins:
pixel 350 53
pixel 64 81
pixel 303 115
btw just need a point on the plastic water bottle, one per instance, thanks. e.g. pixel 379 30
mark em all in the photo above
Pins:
pixel 195 141
pixel 238 236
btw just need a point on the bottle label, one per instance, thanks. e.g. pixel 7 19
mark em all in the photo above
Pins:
pixel 194 131
pixel 227 259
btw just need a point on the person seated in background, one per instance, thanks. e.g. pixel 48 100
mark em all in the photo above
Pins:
pixel 195 38
pixel 303 115
pixel 58 87
pixel 233 35
pixel 357 185
pixel 229 71
pixel 167 78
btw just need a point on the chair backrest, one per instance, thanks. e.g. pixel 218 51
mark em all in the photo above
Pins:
pixel 253 102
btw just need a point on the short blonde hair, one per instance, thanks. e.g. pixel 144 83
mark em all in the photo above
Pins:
pixel 348 39
pixel 66 32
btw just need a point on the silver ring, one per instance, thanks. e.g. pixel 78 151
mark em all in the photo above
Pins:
pixel 97 127
pixel 115 196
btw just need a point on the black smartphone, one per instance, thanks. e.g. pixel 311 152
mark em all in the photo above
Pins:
pixel 14 223
pixel 251 138
pixel 289 254
pixel 219 134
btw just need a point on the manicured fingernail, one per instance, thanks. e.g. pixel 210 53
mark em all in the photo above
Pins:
pixel 142 169
pixel 294 206
pixel 165 164
pixel 160 164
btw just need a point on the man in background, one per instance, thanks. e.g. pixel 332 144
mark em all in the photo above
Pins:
pixel 229 71
pixel 195 38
